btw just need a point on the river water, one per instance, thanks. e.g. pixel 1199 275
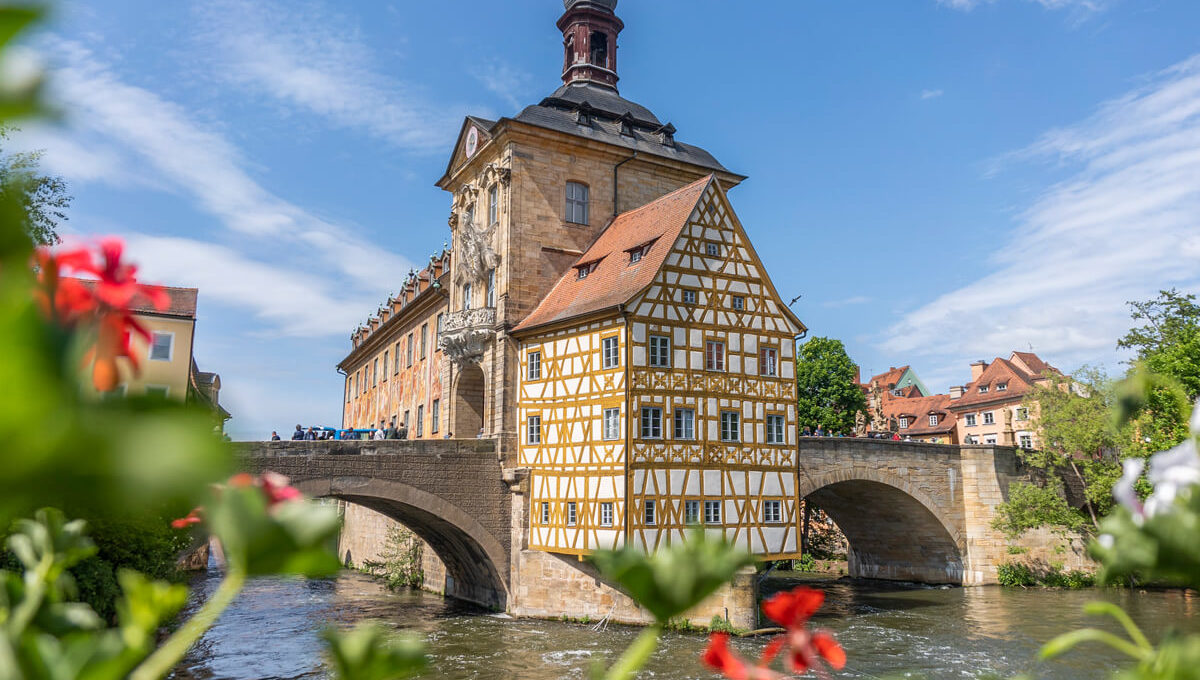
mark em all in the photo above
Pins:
pixel 887 630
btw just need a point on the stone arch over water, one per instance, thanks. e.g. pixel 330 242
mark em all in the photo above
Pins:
pixel 896 531
pixel 476 563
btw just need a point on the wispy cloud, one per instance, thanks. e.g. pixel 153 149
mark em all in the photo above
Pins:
pixel 117 130
pixel 502 79
pixel 855 300
pixel 1085 5
pixel 1123 225
pixel 931 94
pixel 314 59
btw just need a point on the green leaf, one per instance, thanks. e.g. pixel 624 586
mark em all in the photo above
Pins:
pixel 291 538
pixel 1068 641
pixel 676 578
pixel 369 652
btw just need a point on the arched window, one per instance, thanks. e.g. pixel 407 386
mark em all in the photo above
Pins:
pixel 599 45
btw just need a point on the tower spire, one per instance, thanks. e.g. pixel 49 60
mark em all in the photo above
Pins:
pixel 590 29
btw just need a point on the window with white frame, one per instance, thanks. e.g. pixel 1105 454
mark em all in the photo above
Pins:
pixel 989 439
pixel 730 426
pixel 466 292
pixel 1026 440
pixel 712 249
pixel 161 346
pixel 989 418
pixel 1022 413
pixel 375 373
pixel 768 361
pixel 691 512
pixel 772 512
pixel 685 423
pixel 712 512
pixel 385 364
pixel 651 422
pixel 983 389
pixel 491 289
pixel 608 348
pixel 409 351
pixel 570 513
pixel 660 351
pixel 606 514
pixel 534 430
pixel 420 420
pixel 441 318
pixel 612 423
pixel 739 302
pixel 714 355
pixel 903 422
pixel 689 297
pixel 424 338
pixel 775 429
pixel 395 359
pixel 577 203
pixel 545 513
pixel 494 204
pixel 970 420
pixel 648 514
pixel 534 371
pixel 435 412
pixel 1001 387
pixel 582 271
pixel 932 420
pixel 636 254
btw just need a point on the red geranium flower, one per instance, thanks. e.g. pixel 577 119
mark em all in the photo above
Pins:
pixel 193 517
pixel 720 658
pixel 804 649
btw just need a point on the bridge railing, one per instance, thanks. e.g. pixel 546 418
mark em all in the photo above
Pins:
pixel 335 447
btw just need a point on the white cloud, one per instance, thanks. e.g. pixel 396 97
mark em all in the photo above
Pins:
pixel 308 57
pixel 1125 224
pixel 854 300
pixel 503 80
pixel 931 94
pixel 1086 5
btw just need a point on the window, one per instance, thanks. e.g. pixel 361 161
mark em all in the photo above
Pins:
pixel 712 249
pixel 157 391
pixel 599 52
pixel 440 319
pixel 772 512
pixel 534 430
pixel 606 514
pixel 897 393
pixel 409 353
pixel 435 411
pixel 712 512
pixel 612 423
pixel 768 361
pixel 637 254
pixel 714 356
pixel 584 269
pixel 374 373
pixel 689 297
pixel 983 389
pixel 466 290
pixel 493 204
pixel 660 351
pixel 491 289
pixel 424 338
pixel 691 512
pixel 775 429
pixel 608 347
pixel 534 372
pixel 571 513
pixel 685 423
pixel 577 203
pixel 349 387
pixel 161 345
pixel 545 513
pixel 970 420
pixel 385 364
pixel 739 302
pixel 989 440
pixel 1001 387
pixel 903 422
pixel 1022 413
pixel 651 422
pixel 406 420
pixel 420 420
pixel 989 418
pixel 648 511
pixel 932 420
pixel 1026 440
pixel 729 426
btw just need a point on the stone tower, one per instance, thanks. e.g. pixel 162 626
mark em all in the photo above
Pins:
pixel 529 193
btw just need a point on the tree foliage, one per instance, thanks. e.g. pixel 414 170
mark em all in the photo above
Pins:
pixel 44 198
pixel 827 394
pixel 1030 506
pixel 1168 342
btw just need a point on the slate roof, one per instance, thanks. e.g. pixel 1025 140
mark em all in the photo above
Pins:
pixel 613 281
pixel 182 301
pixel 918 410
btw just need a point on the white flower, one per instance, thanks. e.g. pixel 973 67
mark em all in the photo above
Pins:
pixel 1123 490
pixel 1172 472
pixel 1106 541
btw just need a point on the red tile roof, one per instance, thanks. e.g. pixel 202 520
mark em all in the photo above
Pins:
pixel 891 377
pixel 613 280
pixel 918 410
pixel 182 301
pixel 1017 381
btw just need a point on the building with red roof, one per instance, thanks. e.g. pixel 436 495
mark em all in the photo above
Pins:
pixel 990 408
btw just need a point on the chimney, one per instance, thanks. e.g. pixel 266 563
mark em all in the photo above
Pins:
pixel 956 391
pixel 857 375
pixel 977 369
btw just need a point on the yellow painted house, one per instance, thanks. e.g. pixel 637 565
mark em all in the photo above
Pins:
pixel 657 389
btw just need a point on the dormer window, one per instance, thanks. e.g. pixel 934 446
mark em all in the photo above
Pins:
pixel 933 419
pixel 897 392
pixel 636 254
pixel 983 389
pixel 1000 387
pixel 584 269
pixel 666 135
pixel 903 422
pixel 627 125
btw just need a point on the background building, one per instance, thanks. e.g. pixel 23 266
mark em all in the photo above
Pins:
pixel 989 408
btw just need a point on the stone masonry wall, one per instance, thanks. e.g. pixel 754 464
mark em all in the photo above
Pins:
pixel 364 538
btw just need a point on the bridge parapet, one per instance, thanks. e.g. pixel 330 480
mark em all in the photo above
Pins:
pixel 368 447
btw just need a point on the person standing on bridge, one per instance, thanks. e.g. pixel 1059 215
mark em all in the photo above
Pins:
pixel 378 433
pixel 274 436
pixel 310 435
pixel 391 432
pixel 298 434
pixel 403 432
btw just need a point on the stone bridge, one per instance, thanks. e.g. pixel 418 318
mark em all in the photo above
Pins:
pixel 451 493
pixel 911 511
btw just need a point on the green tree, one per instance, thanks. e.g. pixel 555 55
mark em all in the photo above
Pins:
pixel 826 392
pixel 44 198
pixel 1168 342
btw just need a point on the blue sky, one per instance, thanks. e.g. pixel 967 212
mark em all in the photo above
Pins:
pixel 942 180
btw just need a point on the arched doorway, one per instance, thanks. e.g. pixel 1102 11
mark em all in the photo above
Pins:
pixel 469 392
pixel 892 534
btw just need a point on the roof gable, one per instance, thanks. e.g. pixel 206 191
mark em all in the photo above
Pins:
pixel 459 156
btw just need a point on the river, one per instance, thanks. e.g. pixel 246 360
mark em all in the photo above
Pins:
pixel 887 630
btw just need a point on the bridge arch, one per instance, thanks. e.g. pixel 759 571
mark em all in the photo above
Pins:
pixel 896 531
pixel 476 562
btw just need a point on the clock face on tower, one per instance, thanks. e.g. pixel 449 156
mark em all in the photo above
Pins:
pixel 472 141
